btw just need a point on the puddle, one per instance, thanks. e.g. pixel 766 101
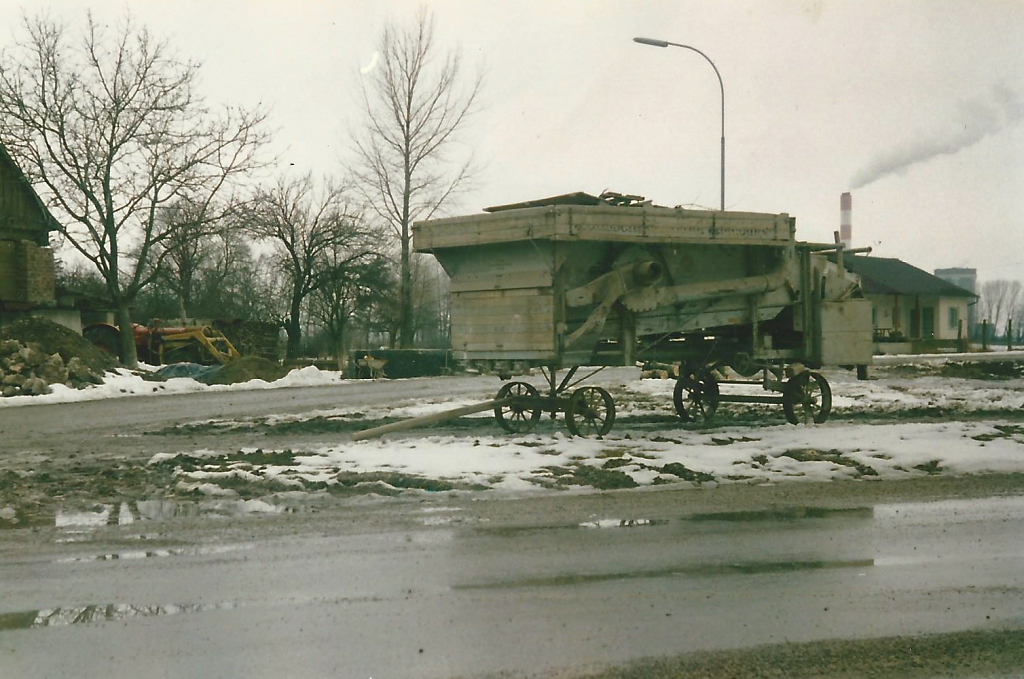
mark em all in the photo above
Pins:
pixel 13 517
pixel 518 531
pixel 157 553
pixel 98 517
pixel 622 523
pixel 786 514
pixel 693 571
pixel 100 613
pixel 943 511
pixel 127 513
pixel 73 615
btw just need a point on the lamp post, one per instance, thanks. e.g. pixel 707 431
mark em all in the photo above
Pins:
pixel 664 43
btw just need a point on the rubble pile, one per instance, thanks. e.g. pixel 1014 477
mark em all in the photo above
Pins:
pixel 36 353
pixel 56 338
pixel 27 370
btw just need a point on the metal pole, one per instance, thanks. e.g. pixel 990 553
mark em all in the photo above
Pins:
pixel 664 43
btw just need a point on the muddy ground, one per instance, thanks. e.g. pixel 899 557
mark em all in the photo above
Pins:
pixel 87 456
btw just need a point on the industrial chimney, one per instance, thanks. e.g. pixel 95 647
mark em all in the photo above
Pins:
pixel 845 219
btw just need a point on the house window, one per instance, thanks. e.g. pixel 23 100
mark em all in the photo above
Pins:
pixel 874 317
pixel 954 317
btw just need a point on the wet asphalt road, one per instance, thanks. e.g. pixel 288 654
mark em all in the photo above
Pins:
pixel 455 587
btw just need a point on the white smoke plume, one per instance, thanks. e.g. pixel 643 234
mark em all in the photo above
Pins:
pixel 977 119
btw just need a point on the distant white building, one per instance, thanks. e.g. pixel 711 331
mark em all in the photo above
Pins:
pixel 912 310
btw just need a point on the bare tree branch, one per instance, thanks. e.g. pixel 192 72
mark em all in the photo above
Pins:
pixel 415 103
pixel 307 223
pixel 111 131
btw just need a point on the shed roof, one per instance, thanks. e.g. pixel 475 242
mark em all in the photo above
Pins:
pixel 47 222
pixel 890 276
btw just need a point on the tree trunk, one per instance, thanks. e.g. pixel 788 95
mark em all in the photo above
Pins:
pixel 405 330
pixel 129 357
pixel 342 356
pixel 294 329
pixel 339 345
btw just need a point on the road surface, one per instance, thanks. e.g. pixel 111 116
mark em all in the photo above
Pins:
pixel 455 587
pixel 474 584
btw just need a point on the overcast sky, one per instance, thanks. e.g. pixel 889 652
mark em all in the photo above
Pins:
pixel 916 106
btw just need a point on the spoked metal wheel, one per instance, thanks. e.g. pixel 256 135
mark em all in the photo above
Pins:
pixel 590 412
pixel 696 398
pixel 807 398
pixel 522 414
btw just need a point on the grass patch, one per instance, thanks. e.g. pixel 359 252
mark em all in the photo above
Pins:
pixel 833 456
pixel 685 473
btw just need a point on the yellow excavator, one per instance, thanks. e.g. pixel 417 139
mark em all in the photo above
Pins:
pixel 158 344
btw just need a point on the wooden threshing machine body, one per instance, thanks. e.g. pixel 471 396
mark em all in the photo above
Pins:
pixel 568 285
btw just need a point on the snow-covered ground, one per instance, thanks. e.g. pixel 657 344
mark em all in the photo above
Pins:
pixel 124 382
pixel 875 433
pixel 904 422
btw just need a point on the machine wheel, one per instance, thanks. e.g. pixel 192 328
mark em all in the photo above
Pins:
pixel 590 412
pixel 743 364
pixel 523 414
pixel 696 399
pixel 106 337
pixel 807 398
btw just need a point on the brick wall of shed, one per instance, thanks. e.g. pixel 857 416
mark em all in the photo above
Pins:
pixel 26 272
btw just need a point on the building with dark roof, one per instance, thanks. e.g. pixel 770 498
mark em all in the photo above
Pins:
pixel 968 280
pixel 26 260
pixel 911 305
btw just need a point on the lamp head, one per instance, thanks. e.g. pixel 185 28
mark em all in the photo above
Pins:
pixel 651 41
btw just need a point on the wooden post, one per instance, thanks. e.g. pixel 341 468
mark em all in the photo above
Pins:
pixel 984 335
pixel 960 344
pixel 1009 334
pixel 429 419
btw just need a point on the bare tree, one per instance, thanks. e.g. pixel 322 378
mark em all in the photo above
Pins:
pixel 305 223
pixel 111 130
pixel 999 300
pixel 347 288
pixel 415 103
pixel 189 246
pixel 251 289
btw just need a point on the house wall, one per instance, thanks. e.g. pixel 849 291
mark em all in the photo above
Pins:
pixel 882 312
pixel 945 329
pixel 26 272
pixel 896 312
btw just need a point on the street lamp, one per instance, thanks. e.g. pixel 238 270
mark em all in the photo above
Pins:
pixel 664 43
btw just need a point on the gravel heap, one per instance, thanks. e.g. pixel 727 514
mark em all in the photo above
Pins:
pixel 35 353
pixel 54 338
pixel 27 370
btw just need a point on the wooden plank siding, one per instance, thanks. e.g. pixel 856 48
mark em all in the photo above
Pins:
pixel 503 320
pixel 605 223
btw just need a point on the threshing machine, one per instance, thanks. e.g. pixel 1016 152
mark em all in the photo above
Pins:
pixel 579 280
